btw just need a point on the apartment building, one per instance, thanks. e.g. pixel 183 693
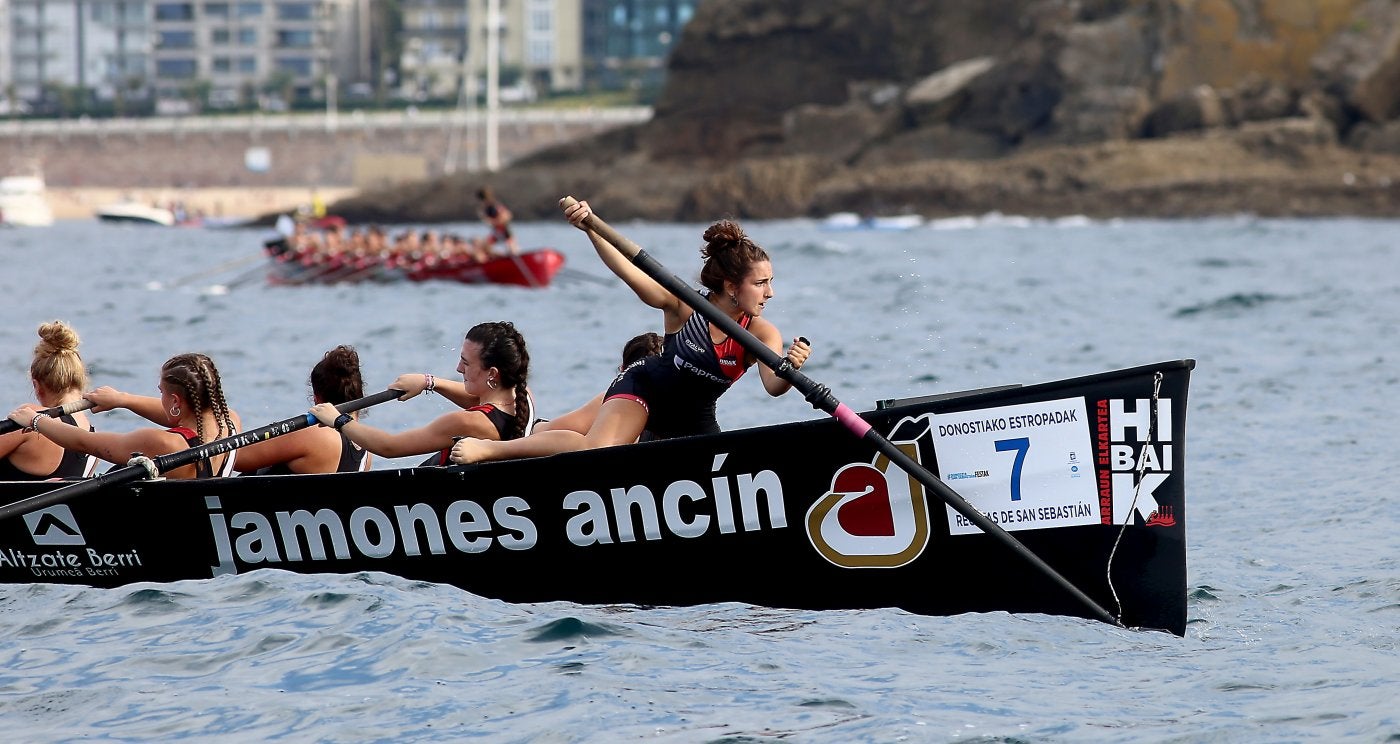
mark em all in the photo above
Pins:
pixel 224 52
pixel 445 43
pixel 186 55
pixel 56 44
pixel 627 42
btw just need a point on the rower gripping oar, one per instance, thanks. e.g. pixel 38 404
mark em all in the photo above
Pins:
pixel 151 467
pixel 822 399
pixel 71 407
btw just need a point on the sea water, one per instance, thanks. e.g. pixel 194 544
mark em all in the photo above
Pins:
pixel 1293 420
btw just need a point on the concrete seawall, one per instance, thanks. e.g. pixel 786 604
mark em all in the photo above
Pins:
pixel 246 165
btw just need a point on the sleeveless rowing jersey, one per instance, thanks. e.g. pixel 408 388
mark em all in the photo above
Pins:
pixel 680 387
pixel 504 422
pixel 203 468
pixel 352 460
pixel 74 464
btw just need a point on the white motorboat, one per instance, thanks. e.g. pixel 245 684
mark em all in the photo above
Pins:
pixel 24 202
pixel 136 213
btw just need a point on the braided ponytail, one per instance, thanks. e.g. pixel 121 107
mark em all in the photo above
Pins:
pixel 198 380
pixel 503 347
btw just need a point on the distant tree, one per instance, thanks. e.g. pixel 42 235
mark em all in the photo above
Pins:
pixel 386 18
pixel 280 83
pixel 67 100
pixel 248 95
pixel 197 93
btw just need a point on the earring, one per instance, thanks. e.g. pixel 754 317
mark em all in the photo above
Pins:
pixel 733 300
pixel 490 383
pixel 175 412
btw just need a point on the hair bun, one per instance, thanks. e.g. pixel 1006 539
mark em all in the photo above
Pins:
pixel 724 231
pixel 56 337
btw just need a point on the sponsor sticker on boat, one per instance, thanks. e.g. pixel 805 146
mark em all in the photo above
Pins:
pixel 1023 466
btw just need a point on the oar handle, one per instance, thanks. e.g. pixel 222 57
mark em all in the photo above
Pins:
pixel 67 409
pixel 822 399
pixel 165 463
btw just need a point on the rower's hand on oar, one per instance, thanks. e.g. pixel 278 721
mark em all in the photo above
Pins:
pixel 576 213
pixel 105 398
pixel 411 385
pixel 325 413
pixel 23 415
pixel 798 352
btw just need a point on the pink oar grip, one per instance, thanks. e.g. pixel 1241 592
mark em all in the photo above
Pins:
pixel 851 419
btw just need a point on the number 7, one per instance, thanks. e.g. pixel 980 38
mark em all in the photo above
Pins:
pixel 1021 445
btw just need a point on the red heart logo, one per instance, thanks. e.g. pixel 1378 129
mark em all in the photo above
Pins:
pixel 868 515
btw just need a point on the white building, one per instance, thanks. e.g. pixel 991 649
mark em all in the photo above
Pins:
pixel 235 49
pixel 539 46
pixel 96 45
pixel 187 54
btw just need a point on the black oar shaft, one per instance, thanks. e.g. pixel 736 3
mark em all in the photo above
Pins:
pixel 82 404
pixel 166 463
pixel 822 399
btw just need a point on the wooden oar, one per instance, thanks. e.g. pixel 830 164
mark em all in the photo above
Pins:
pixel 525 271
pixel 221 268
pixel 143 467
pixel 71 407
pixel 569 274
pixel 822 399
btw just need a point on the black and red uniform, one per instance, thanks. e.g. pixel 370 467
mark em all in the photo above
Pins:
pixel 505 427
pixel 679 388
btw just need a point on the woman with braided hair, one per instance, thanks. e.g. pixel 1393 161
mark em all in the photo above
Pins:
pixel 673 394
pixel 494 365
pixel 191 408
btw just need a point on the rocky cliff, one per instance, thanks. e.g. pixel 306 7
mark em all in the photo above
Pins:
pixel 782 108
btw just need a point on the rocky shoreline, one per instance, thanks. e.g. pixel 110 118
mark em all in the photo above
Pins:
pixel 1105 108
pixel 1273 170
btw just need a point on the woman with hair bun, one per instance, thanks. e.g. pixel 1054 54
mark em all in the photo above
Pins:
pixel 494 365
pixel 674 394
pixel 190 411
pixel 59 377
pixel 334 380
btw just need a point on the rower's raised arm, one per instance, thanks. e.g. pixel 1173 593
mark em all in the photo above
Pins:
pixel 646 288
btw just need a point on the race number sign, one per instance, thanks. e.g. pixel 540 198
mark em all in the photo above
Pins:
pixel 1025 466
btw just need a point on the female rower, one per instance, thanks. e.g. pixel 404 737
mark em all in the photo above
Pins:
pixel 580 419
pixel 335 379
pixel 674 394
pixel 494 366
pixel 191 407
pixel 58 376
pixel 496 216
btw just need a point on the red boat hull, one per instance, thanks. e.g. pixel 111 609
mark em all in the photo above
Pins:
pixel 534 268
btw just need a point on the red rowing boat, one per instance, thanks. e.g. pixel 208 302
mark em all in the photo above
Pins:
pixel 534 268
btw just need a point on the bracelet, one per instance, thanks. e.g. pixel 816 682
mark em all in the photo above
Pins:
pixel 341 421
pixel 429 383
pixel 34 422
